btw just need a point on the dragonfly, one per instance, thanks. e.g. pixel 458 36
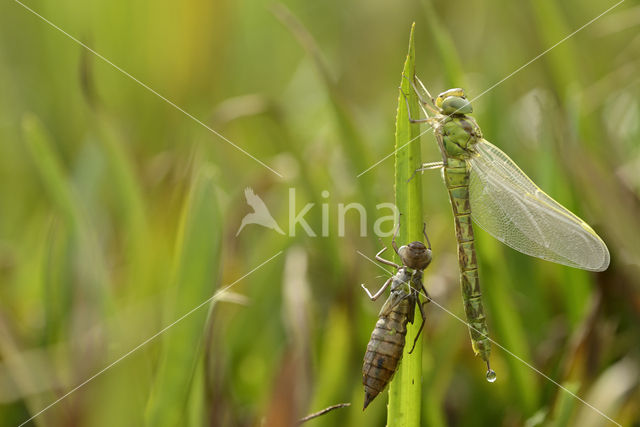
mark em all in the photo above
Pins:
pixel 386 346
pixel 486 186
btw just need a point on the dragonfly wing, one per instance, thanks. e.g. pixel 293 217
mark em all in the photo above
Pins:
pixel 510 207
pixel 394 299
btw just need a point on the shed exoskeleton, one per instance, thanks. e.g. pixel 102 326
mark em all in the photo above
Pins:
pixel 387 342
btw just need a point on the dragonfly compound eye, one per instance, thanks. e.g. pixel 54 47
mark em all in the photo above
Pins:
pixel 456 105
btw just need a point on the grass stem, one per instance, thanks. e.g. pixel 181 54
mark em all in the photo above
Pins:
pixel 405 389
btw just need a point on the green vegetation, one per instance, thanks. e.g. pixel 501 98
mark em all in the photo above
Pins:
pixel 405 392
pixel 118 213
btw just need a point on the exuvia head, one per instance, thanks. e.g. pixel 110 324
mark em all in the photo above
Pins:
pixel 415 255
pixel 453 101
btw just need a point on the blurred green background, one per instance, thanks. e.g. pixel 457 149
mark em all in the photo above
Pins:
pixel 118 213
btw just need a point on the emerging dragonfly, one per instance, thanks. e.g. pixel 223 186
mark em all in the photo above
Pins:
pixel 385 348
pixel 485 185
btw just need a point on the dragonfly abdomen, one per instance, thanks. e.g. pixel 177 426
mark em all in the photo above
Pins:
pixel 384 350
pixel 457 182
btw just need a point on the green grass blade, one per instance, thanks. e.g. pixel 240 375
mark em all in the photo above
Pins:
pixel 562 60
pixel 51 170
pixel 565 406
pixel 199 253
pixel 353 142
pixel 506 324
pixel 129 202
pixel 446 48
pixel 330 387
pixel 405 390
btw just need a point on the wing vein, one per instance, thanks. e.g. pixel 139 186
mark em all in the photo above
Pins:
pixel 507 204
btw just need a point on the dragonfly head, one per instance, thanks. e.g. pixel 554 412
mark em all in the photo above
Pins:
pixel 415 255
pixel 453 101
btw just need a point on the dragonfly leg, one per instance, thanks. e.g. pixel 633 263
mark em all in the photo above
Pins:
pixel 431 120
pixel 380 291
pixel 385 261
pixel 422 86
pixel 411 119
pixel 424 231
pixel 393 241
pixel 429 166
pixel 426 166
pixel 426 295
pixel 419 95
pixel 424 319
pixel 428 119
pixel 441 147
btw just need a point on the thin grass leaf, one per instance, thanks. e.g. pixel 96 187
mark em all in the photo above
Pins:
pixel 129 202
pixel 56 280
pixel 406 388
pixel 330 386
pixel 608 393
pixel 24 378
pixel 198 254
pixel 509 331
pixel 51 171
pixel 440 364
pixel 562 61
pixel 353 142
pixel 446 48
pixel 565 406
pixel 76 281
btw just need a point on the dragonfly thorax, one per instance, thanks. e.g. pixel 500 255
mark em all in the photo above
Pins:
pixel 459 134
pixel 401 278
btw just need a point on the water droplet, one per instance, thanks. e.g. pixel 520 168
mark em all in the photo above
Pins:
pixel 491 375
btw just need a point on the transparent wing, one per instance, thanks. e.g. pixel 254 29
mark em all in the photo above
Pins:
pixel 510 207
